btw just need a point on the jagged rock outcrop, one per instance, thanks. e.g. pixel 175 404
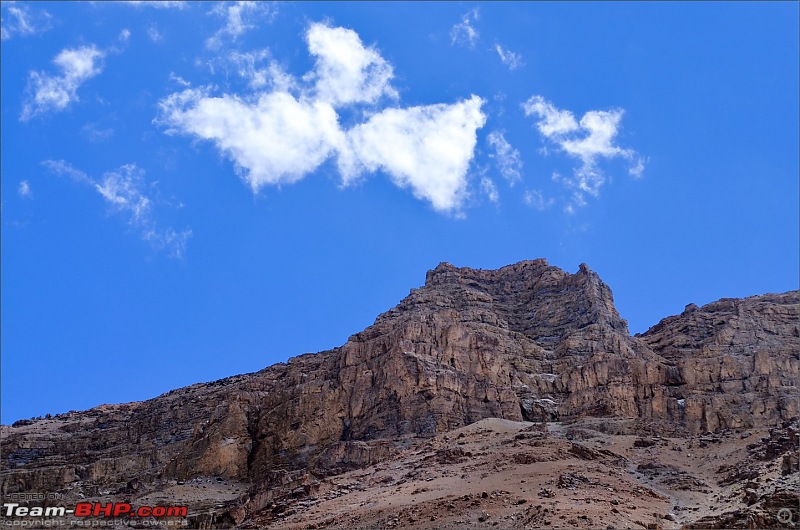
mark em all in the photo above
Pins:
pixel 525 342
pixel 738 360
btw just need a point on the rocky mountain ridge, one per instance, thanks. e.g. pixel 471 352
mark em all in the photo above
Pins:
pixel 527 342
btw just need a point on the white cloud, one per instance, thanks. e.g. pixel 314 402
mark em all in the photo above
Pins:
pixel 278 139
pixel 56 92
pixel 21 19
pixel 535 199
pixel 124 35
pixel 587 141
pixel 95 133
pixel 240 17
pixel 509 58
pixel 463 33
pixel 600 128
pixel 123 190
pixel 637 168
pixel 24 190
pixel 347 72
pixel 427 149
pixel 275 139
pixel 251 67
pixel 246 65
pixel 489 189
pixel 507 158
pixel 278 136
pixel 126 193
pixel 179 80
pixel 280 80
pixel 153 34
pixel 552 121
pixel 578 200
pixel 60 167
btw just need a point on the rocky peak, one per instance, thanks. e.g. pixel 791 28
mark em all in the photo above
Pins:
pixel 529 297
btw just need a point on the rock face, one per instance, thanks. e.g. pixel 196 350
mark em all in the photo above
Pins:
pixel 738 360
pixel 525 342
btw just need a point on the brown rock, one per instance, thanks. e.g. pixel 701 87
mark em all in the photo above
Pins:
pixel 736 362
pixel 524 342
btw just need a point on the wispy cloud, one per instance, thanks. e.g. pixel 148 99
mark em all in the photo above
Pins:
pixel 278 136
pixel 60 167
pixel 24 190
pixel 248 66
pixel 509 58
pixel 489 189
pixel 154 34
pixel 507 158
pixel 464 33
pixel 178 80
pixel 128 195
pixel 536 200
pixel 96 133
pixel 552 121
pixel 257 68
pixel 240 17
pixel 588 140
pixel 17 19
pixel 637 168
pixel 55 92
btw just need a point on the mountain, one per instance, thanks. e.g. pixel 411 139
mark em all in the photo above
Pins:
pixel 528 344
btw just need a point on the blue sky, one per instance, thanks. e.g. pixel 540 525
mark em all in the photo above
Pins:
pixel 192 191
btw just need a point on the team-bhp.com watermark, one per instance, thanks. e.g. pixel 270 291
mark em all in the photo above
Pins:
pixel 87 514
pixel 117 514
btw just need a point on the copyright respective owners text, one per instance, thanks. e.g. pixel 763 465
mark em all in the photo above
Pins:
pixel 52 510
